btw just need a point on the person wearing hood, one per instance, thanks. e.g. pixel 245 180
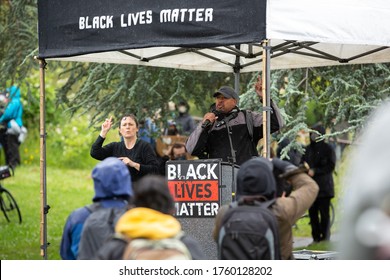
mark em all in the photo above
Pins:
pixel 321 158
pixel 256 181
pixel 12 120
pixel 185 122
pixel 113 189
pixel 151 218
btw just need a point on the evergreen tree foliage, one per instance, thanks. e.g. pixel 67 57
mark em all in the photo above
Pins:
pixel 18 45
pixel 330 95
pixel 109 89
pixel 19 40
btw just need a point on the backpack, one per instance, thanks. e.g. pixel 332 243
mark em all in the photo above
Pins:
pixel 249 125
pixel 23 134
pixel 249 122
pixel 157 249
pixel 249 232
pixel 97 228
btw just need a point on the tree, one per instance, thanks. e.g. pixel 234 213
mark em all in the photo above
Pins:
pixel 332 95
pixel 19 39
pixel 18 45
pixel 344 93
pixel 118 89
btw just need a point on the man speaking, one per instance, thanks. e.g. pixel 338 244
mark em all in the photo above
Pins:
pixel 228 132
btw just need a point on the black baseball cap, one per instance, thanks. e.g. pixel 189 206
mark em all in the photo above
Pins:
pixel 228 92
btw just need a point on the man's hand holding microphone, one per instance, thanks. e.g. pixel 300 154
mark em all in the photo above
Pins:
pixel 208 119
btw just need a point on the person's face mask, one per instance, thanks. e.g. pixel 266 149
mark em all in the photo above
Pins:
pixel 313 137
pixel 182 157
pixel 179 154
pixel 182 109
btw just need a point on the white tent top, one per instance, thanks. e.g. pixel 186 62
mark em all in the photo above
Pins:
pixel 302 33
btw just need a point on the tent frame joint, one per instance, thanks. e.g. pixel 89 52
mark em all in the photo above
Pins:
pixel 43 64
pixel 267 108
pixel 46 209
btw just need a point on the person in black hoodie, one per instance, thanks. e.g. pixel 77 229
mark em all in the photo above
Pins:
pixel 256 181
pixel 184 120
pixel 321 158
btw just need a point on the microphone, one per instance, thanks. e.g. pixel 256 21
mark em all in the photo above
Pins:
pixel 207 122
pixel 233 113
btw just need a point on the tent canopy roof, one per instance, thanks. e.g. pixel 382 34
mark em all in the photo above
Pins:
pixel 284 55
pixel 302 33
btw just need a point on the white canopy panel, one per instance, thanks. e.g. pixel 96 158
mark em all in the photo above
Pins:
pixel 352 22
pixel 222 59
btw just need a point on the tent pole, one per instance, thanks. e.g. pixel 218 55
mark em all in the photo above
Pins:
pixel 44 206
pixel 236 70
pixel 266 98
pixel 237 82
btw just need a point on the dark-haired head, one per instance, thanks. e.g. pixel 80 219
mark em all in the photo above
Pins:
pixel 131 116
pixel 152 191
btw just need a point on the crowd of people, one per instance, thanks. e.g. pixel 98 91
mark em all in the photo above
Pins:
pixel 149 204
pixel 129 181
pixel 146 226
pixel 145 209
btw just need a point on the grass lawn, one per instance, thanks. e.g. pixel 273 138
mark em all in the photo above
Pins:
pixel 66 190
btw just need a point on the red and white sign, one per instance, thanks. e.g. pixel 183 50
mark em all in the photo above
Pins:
pixel 194 185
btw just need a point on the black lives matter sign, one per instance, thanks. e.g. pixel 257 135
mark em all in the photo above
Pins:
pixel 194 185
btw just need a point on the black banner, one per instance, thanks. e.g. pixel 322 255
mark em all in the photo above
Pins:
pixel 74 27
pixel 194 185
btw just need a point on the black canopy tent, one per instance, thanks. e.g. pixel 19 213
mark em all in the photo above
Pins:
pixel 219 35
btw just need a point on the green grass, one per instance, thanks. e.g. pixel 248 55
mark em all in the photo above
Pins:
pixel 67 189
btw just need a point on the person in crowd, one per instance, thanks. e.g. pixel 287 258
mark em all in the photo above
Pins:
pixel 172 129
pixel 138 155
pixel 112 189
pixel 151 217
pixel 340 141
pixel 185 122
pixel 12 119
pixel 294 156
pixel 178 151
pixel 256 181
pixel 321 158
pixel 3 128
pixel 147 131
pixel 226 125
pixel 364 227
